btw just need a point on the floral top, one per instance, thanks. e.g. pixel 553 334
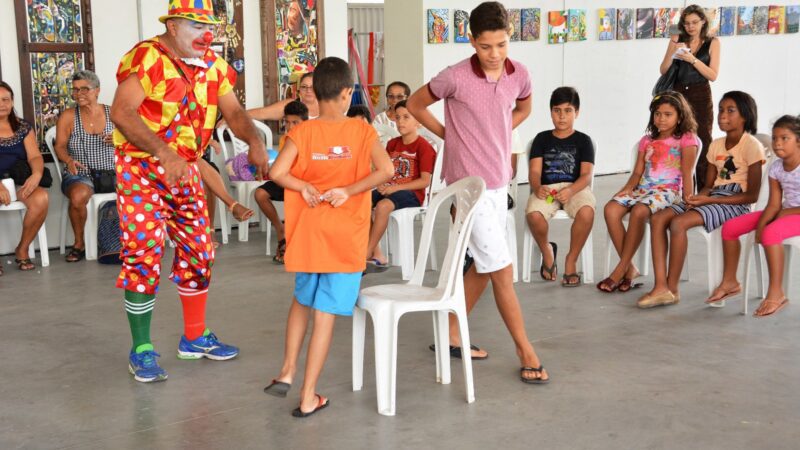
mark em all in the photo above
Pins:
pixel 662 161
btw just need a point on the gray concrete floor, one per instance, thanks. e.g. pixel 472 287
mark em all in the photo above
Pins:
pixel 687 376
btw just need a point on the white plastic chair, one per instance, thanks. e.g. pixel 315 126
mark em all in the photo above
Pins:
pixel 385 132
pixel 789 247
pixel 92 208
pixel 20 207
pixel 713 240
pixel 387 303
pixel 243 190
pixel 529 248
pixel 400 230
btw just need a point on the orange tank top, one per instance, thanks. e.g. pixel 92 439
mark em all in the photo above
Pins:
pixel 325 239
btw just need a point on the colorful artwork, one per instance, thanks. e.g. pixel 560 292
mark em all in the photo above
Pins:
pixel 777 20
pixel 712 16
pixel 760 20
pixel 557 27
pixel 744 25
pixel 514 24
pixel 531 24
pixel 461 26
pixel 674 19
pixel 438 30
pixel 607 24
pixel 228 41
pixel 577 25
pixel 625 24
pixel 52 87
pixel 645 23
pixel 296 41
pixel 55 21
pixel 793 19
pixel 727 21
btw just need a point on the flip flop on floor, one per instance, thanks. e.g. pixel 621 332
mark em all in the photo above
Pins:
pixel 322 403
pixel 780 305
pixel 626 284
pixel 278 258
pixel 24 264
pixel 726 294
pixel 551 271
pixel 75 255
pixel 535 370
pixel 565 280
pixel 278 388
pixel 375 266
pixel 455 352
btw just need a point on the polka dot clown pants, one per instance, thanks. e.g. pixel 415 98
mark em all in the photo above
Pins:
pixel 148 211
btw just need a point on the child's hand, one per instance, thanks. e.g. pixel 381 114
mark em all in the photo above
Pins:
pixel 624 192
pixel 759 232
pixel 387 189
pixel 542 193
pixel 698 200
pixel 564 195
pixel 336 197
pixel 311 195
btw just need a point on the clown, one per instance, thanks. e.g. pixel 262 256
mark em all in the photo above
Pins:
pixel 165 108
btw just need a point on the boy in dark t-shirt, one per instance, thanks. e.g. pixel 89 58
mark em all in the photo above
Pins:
pixel 413 159
pixel 561 165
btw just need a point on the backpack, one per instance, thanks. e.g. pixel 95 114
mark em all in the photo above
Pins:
pixel 109 244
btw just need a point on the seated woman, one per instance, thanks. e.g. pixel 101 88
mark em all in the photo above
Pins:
pixel 83 143
pixel 18 143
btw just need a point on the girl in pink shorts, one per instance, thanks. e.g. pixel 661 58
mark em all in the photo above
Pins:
pixel 778 221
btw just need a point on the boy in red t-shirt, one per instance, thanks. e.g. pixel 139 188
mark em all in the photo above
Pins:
pixel 326 168
pixel 413 158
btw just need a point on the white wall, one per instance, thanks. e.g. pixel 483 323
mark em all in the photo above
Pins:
pixel 614 78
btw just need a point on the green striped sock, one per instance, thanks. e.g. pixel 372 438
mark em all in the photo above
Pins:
pixel 140 309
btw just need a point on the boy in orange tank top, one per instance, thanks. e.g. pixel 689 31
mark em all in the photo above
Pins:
pixel 326 168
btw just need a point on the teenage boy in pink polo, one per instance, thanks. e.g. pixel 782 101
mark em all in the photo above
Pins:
pixel 485 97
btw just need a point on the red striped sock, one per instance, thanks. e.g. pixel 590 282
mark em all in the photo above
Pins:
pixel 194 311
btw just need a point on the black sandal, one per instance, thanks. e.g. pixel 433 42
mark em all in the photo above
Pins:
pixel 278 258
pixel 75 255
pixel 565 280
pixel 24 264
pixel 551 271
pixel 533 380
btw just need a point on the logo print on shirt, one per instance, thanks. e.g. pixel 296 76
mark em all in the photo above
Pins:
pixel 338 152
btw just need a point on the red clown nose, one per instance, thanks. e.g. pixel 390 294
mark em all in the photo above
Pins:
pixel 208 37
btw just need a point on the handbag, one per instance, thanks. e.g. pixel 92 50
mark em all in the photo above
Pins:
pixel 104 181
pixel 666 81
pixel 109 244
pixel 21 171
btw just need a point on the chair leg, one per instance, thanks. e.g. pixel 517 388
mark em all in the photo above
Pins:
pixel 748 253
pixel 359 332
pixel 715 263
pixel 433 255
pixel 62 229
pixel 43 249
pixel 527 241
pixel 90 229
pixel 760 263
pixel 441 333
pixel 244 226
pixel 609 247
pixel 466 356
pixel 587 260
pixel 222 211
pixel 267 230
pixel 787 268
pixel 385 331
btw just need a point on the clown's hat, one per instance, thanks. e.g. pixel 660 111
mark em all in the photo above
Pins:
pixel 195 10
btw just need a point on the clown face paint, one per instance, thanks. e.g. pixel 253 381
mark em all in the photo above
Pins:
pixel 191 39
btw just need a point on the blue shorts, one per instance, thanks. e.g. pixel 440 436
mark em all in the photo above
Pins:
pixel 333 293
pixel 401 199
pixel 69 179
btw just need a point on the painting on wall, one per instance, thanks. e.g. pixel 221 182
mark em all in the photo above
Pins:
pixel 557 27
pixel 645 23
pixel 461 27
pixel 296 43
pixel 662 22
pixel 55 21
pixel 606 24
pixel 625 24
pixel 727 21
pixel 577 25
pixel 438 29
pixel 792 18
pixel 744 25
pixel 515 24
pixel 777 20
pixel 531 24
pixel 712 15
pixel 228 40
pixel 52 93
pixel 760 20
pixel 674 20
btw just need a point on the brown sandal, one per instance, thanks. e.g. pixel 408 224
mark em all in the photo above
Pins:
pixel 608 285
pixel 24 264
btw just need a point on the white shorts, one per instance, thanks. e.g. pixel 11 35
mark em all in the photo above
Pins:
pixel 487 244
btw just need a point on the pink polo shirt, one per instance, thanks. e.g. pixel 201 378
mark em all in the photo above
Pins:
pixel 477 119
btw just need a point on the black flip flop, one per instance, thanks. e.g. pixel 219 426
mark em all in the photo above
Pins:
pixel 75 255
pixel 567 276
pixel 533 380
pixel 278 388
pixel 298 413
pixel 552 269
pixel 455 352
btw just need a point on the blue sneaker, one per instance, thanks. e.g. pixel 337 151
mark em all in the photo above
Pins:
pixel 206 346
pixel 144 367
